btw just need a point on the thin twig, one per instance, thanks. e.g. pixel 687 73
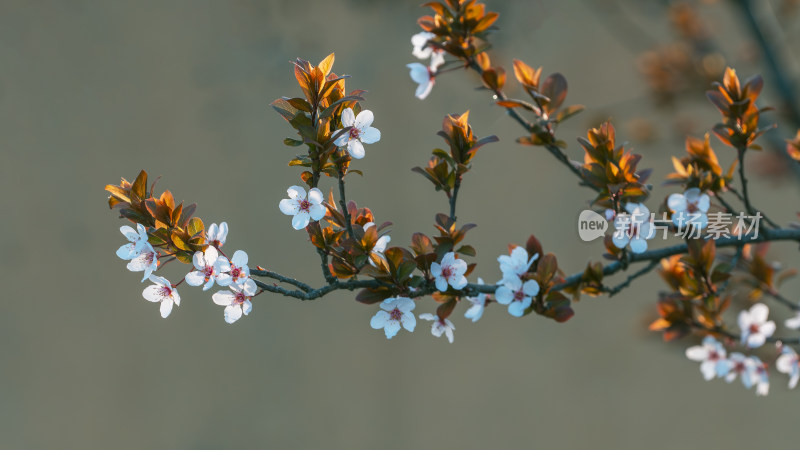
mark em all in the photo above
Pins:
pixel 643 271
pixel 343 203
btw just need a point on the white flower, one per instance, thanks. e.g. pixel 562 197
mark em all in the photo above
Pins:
pixel 147 261
pixel 742 366
pixel 361 132
pixel 712 354
pixel 516 264
pixel 162 291
pixel 475 312
pixel 424 51
pixel 633 228
pixel 234 271
pixel 216 235
pixel 794 322
pixel 424 76
pixel 440 326
pixel 237 300
pixel 137 239
pixel 206 265
pixel 789 364
pixel 754 325
pixel 516 295
pixel 395 312
pixel 689 208
pixel 380 244
pixel 303 209
pixel 450 271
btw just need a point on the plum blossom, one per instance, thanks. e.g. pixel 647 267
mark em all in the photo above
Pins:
pixel 633 228
pixel 303 209
pixel 450 271
pixel 516 264
pixel 424 51
pixel 237 300
pixel 742 366
pixel 475 312
pixel 794 322
pixel 755 326
pixel 516 294
pixel 162 291
pixel 440 326
pixel 360 133
pixel 146 261
pixel 789 364
pixel 424 76
pixel 216 235
pixel 395 312
pixel 137 239
pixel 712 354
pixel 206 267
pixel 689 208
pixel 380 244
pixel 234 271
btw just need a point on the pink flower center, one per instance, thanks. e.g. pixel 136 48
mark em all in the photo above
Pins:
pixel 713 355
pixel 395 314
pixel 738 367
pixel 754 328
pixel 354 133
pixel 165 292
pixel 305 205
pixel 519 295
pixel 236 272
pixel 692 208
pixel 208 271
pixel 447 271
pixel 239 298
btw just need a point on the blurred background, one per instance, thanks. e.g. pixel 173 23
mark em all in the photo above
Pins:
pixel 94 91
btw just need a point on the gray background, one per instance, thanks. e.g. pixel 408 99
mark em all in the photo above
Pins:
pixel 91 91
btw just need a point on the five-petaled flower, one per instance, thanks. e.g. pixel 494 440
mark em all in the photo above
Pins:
pixel 237 300
pixel 754 325
pixel 712 354
pixel 162 291
pixel 689 208
pixel 423 50
pixel 146 261
pixel 395 312
pixel 742 366
pixel 450 271
pixel 516 264
pixel 303 209
pixel 475 312
pixel 634 228
pixel 234 271
pixel 440 326
pixel 361 132
pixel 789 364
pixel 516 294
pixel 206 265
pixel 216 235
pixel 137 239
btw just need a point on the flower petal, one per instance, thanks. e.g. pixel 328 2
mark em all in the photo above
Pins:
pixel 223 298
pixel 370 136
pixel 296 193
pixel 356 149
pixel 348 118
pixel 301 220
pixel 166 308
pixel 315 196
pixel 233 313
pixel 391 328
pixel 364 119
pixel 247 306
pixel 408 321
pixel 379 320
pixel 195 278
pixel 289 207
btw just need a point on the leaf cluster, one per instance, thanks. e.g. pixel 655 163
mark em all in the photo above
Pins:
pixel 700 168
pixel 460 27
pixel 169 226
